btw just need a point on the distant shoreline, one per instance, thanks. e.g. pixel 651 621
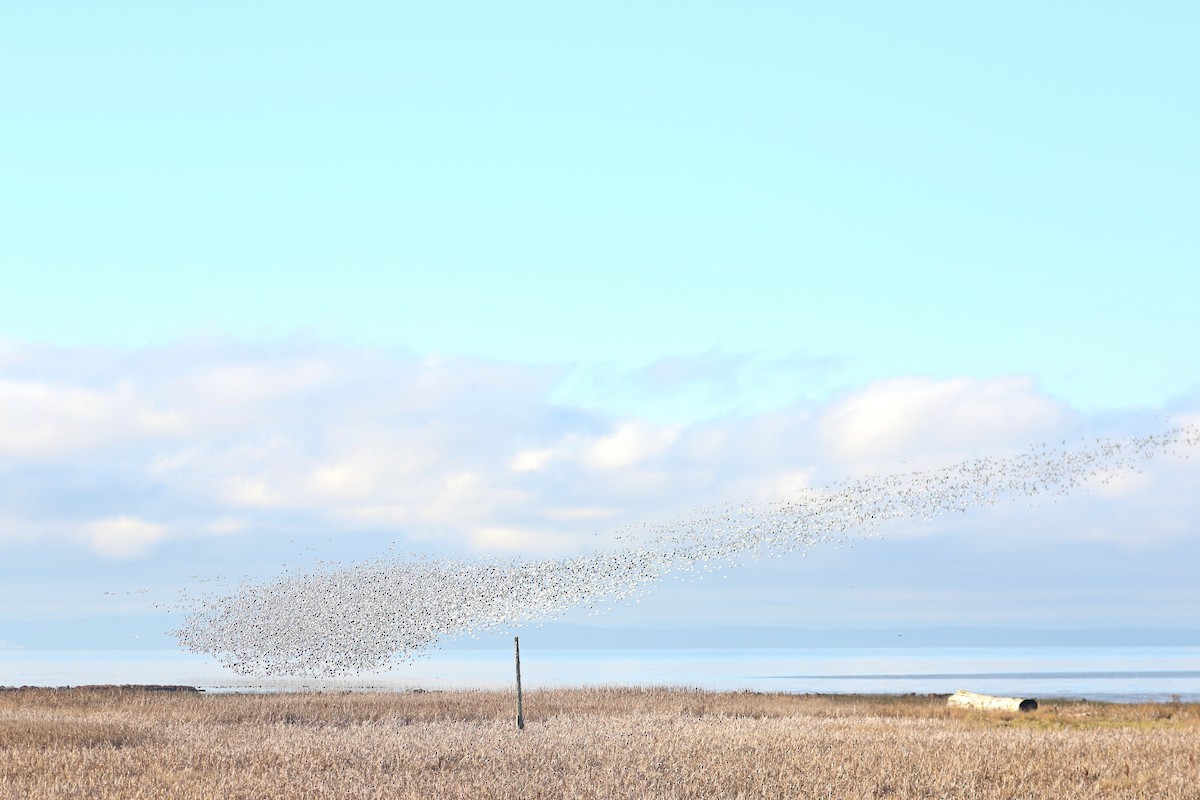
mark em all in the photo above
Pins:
pixel 1124 675
pixel 874 697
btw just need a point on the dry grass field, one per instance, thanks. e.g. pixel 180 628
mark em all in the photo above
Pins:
pixel 126 744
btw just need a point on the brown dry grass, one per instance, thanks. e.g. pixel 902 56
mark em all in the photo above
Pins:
pixel 583 743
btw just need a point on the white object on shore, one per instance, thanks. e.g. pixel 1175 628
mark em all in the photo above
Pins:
pixel 965 699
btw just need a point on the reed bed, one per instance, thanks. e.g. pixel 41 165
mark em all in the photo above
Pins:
pixel 128 744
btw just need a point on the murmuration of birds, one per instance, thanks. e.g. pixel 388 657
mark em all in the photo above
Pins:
pixel 339 620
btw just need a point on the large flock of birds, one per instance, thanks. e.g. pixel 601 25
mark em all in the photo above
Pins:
pixel 343 620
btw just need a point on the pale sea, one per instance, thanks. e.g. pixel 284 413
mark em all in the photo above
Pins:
pixel 1118 674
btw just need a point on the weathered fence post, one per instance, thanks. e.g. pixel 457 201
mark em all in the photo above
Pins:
pixel 520 713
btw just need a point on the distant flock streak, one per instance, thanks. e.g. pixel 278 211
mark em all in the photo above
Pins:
pixel 343 620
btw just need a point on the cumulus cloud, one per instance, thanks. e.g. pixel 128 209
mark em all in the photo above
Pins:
pixel 628 444
pixel 921 417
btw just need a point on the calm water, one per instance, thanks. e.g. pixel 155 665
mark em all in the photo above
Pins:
pixel 1124 674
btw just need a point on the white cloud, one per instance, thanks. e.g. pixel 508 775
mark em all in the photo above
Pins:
pixel 229 441
pixel 627 443
pixel 630 443
pixel 914 417
pixel 122 538
pixel 348 479
pixel 41 419
pixel 532 460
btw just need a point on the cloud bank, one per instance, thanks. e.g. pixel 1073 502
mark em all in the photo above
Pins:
pixel 122 452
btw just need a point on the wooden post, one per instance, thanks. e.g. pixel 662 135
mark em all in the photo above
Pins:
pixel 965 699
pixel 520 713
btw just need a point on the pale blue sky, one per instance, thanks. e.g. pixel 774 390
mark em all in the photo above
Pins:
pixel 929 188
pixel 727 218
